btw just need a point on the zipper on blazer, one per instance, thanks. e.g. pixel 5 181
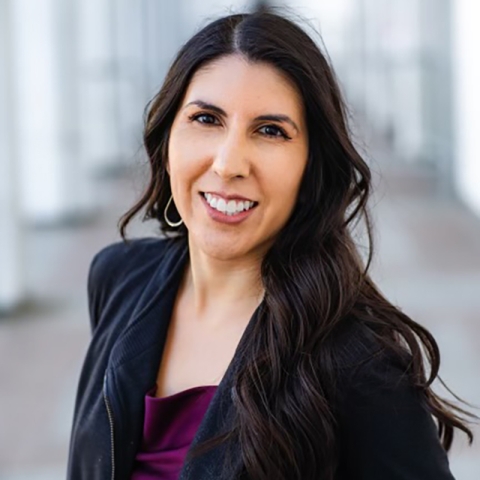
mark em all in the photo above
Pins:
pixel 110 419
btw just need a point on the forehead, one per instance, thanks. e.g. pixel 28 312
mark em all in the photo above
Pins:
pixel 236 81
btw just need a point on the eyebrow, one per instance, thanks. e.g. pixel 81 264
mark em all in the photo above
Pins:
pixel 274 117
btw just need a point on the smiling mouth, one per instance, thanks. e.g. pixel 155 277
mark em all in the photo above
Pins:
pixel 228 207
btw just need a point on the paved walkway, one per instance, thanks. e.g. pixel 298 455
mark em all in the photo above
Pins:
pixel 428 262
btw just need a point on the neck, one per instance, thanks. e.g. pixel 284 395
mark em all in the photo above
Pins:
pixel 216 286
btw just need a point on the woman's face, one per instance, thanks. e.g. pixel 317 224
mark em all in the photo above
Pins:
pixel 237 151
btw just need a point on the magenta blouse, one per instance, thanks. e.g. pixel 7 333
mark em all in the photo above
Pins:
pixel 169 427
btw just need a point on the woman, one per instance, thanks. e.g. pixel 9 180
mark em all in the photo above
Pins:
pixel 251 341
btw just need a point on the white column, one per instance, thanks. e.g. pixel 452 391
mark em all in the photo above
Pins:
pixel 466 68
pixel 52 182
pixel 436 39
pixel 97 82
pixel 405 73
pixel 11 278
pixel 78 199
pixel 378 86
pixel 131 89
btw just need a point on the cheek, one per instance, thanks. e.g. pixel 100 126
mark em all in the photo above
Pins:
pixel 286 194
pixel 286 199
pixel 181 160
pixel 187 163
pixel 188 151
pixel 284 180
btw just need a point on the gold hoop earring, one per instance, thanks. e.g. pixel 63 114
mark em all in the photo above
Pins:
pixel 165 215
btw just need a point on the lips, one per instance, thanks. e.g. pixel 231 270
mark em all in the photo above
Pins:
pixel 228 197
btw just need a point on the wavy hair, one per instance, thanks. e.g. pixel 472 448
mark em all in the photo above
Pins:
pixel 314 277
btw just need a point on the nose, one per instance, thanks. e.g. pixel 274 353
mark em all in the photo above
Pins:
pixel 231 158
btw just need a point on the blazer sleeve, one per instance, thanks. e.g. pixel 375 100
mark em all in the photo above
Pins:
pixel 386 430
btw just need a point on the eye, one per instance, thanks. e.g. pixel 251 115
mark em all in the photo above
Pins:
pixel 205 118
pixel 274 131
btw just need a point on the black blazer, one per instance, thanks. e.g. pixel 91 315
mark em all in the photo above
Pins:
pixel 386 433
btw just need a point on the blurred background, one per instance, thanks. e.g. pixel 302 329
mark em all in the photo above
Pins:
pixel 75 76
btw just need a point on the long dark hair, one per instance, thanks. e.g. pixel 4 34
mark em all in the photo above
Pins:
pixel 315 279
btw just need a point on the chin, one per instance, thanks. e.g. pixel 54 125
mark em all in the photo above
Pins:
pixel 221 247
pixel 222 250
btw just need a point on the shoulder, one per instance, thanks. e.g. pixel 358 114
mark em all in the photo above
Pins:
pixel 120 270
pixel 372 370
pixel 120 259
pixel 385 425
pixel 117 252
pixel 370 363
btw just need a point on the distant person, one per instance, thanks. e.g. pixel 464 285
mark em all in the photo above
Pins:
pixel 248 340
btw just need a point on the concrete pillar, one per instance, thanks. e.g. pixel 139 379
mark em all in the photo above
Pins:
pixel 437 91
pixel 131 89
pixel 404 69
pixel 52 183
pixel 377 88
pixel 100 145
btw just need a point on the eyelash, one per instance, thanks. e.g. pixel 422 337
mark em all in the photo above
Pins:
pixel 196 116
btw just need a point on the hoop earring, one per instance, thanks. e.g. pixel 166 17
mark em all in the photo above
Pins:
pixel 165 215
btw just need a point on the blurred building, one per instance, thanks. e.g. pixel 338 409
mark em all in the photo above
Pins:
pixel 75 77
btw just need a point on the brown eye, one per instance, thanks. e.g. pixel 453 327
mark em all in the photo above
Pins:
pixel 205 118
pixel 274 131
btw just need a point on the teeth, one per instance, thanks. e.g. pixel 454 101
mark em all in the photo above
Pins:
pixel 231 207
pixel 221 205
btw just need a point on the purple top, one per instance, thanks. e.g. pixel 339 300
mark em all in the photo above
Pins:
pixel 169 427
